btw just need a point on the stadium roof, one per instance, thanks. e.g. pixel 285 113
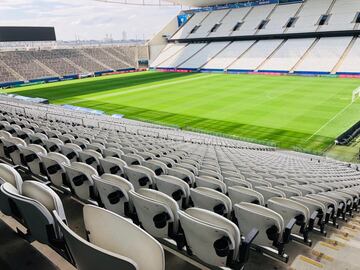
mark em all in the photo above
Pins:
pixel 205 3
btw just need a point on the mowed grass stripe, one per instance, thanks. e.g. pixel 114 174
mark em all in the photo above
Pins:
pixel 286 110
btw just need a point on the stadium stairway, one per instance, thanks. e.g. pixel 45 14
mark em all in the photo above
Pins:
pixel 94 59
pixel 115 57
pixel 241 55
pixel 16 75
pixel 45 67
pixel 339 251
pixel 304 56
pixel 271 55
pixel 344 55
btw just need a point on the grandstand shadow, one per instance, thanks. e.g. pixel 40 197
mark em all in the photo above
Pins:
pixel 90 86
pixel 17 253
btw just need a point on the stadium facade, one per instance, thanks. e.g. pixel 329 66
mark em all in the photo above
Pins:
pixel 295 37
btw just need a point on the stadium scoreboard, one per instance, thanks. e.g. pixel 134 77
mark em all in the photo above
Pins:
pixel 26 33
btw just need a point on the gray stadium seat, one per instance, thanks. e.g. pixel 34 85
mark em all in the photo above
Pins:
pixel 114 193
pixel 212 200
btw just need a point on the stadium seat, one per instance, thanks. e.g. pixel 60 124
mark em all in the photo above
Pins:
pixel 317 212
pixel 35 204
pixel 212 200
pixel 71 151
pixel 211 182
pixel 3 134
pixel 112 152
pixel 272 231
pixel 38 138
pixel 80 176
pixel 53 145
pixel 289 191
pixel 54 165
pixel 157 213
pixel 183 174
pixel 239 194
pixel 92 158
pixel 132 159
pixel 269 192
pixel 109 250
pixel 113 165
pixel 140 176
pixel 114 193
pixel 214 239
pixel 157 166
pixel 189 167
pixel 12 149
pixel 232 181
pixel 8 175
pixel 293 211
pixel 175 188
pixel 32 157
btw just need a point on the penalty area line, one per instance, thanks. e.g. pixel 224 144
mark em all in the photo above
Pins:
pixel 332 119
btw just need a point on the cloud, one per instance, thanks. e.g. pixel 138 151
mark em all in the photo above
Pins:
pixel 87 19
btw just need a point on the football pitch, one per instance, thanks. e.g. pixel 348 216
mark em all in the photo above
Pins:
pixel 289 111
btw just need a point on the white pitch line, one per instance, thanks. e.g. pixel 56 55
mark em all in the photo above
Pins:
pixel 139 89
pixel 332 119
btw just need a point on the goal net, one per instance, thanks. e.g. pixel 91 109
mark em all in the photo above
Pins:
pixel 355 94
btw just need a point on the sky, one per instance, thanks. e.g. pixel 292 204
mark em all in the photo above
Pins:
pixel 87 19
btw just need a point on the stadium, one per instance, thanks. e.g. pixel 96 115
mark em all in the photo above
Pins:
pixel 230 139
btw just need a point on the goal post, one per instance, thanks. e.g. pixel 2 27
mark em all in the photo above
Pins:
pixel 355 94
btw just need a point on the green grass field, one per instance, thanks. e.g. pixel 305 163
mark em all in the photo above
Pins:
pixel 290 111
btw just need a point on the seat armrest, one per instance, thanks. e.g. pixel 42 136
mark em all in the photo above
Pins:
pixel 312 220
pixel 244 250
pixel 287 232
pixel 328 215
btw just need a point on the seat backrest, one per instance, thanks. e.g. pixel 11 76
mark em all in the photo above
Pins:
pixel 183 174
pixel 5 134
pixel 232 181
pixel 140 177
pixel 44 195
pixel 204 172
pixel 114 193
pixel 88 256
pixel 240 194
pixel 210 236
pixel 266 221
pixel 37 217
pixel 269 192
pixel 210 182
pixel 189 167
pixel 212 200
pixel 312 204
pixel 80 178
pixel 11 147
pixel 71 151
pixel 113 165
pixel 112 152
pixel 90 157
pixel 54 166
pixel 289 191
pixel 9 175
pixel 258 182
pixel 328 202
pixel 157 166
pixel 124 238
pixel 156 211
pixel 174 187
pixel 290 209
